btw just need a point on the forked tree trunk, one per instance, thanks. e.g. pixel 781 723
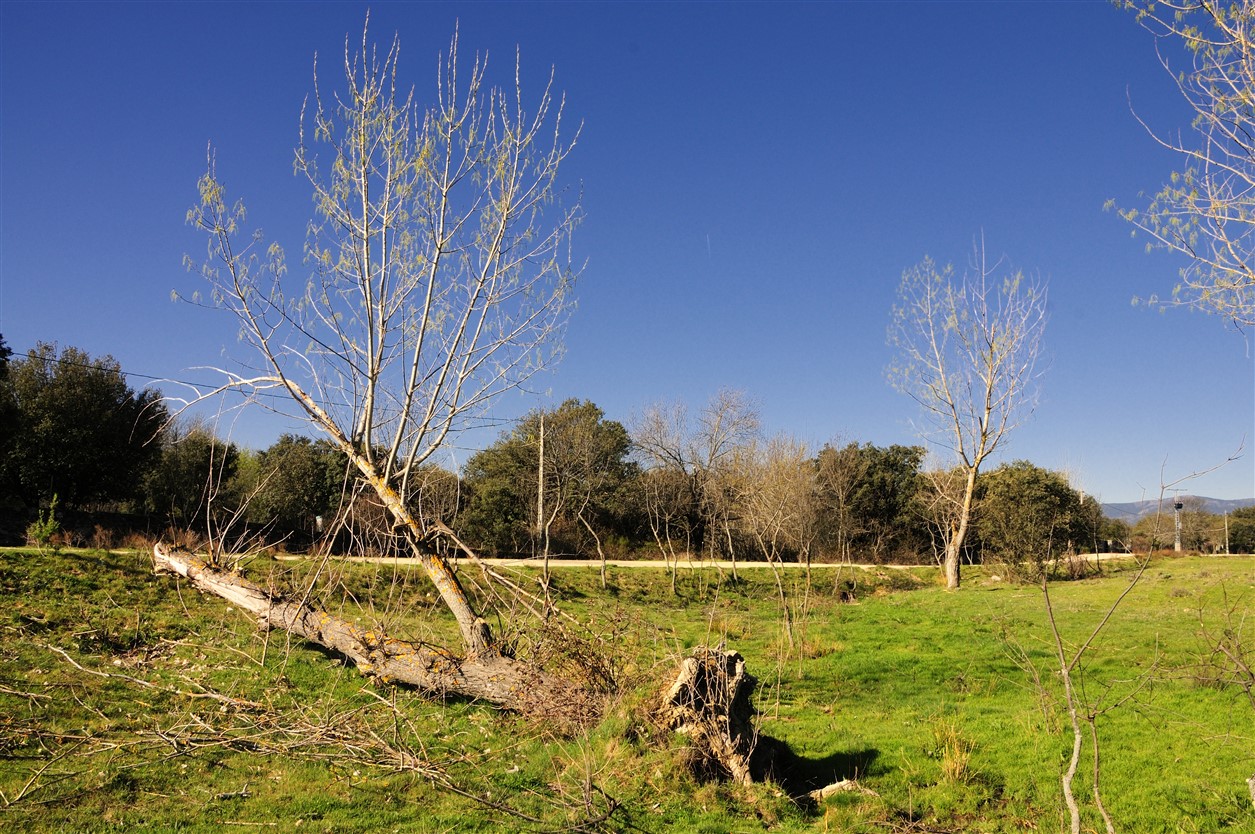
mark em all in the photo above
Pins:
pixel 504 681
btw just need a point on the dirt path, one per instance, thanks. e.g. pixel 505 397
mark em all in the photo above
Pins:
pixel 682 564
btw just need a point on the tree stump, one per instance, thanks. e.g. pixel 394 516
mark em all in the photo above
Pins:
pixel 709 703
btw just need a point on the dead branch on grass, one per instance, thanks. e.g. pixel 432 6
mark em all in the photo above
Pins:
pixel 378 735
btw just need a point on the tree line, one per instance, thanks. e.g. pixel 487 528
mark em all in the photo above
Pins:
pixel 73 431
pixel 563 482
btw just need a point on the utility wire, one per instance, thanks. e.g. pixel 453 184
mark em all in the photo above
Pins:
pixel 482 423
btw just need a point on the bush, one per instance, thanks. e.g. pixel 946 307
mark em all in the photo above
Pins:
pixel 103 538
pixel 1028 517
pixel 43 530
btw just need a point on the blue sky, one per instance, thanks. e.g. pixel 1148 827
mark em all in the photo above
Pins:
pixel 756 177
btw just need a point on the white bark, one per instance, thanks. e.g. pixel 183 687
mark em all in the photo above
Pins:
pixel 500 680
pixel 967 353
pixel 442 274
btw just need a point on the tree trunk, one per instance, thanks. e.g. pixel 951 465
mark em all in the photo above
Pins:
pixel 504 681
pixel 601 553
pixel 475 632
pixel 954 547
pixel 952 563
pixel 709 702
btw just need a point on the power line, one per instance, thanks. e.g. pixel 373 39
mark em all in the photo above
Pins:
pixel 479 425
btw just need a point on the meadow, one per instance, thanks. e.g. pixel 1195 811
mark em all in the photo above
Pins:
pixel 130 702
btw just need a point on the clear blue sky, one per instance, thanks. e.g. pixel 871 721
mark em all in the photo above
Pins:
pixel 756 178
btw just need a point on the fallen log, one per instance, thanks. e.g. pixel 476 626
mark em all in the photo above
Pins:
pixel 490 676
pixel 709 702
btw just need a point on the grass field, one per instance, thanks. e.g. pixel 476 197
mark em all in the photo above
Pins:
pixel 128 702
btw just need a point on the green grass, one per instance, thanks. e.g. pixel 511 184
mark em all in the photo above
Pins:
pixel 947 705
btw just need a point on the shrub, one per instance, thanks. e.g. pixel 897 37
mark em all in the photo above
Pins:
pixel 41 532
pixel 137 541
pixel 103 538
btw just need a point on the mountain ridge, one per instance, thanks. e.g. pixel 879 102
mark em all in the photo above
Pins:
pixel 1133 511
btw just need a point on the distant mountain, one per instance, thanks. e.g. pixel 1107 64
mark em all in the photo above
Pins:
pixel 1134 511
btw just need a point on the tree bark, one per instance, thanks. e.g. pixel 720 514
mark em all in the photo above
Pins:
pixel 954 547
pixel 709 702
pixel 490 676
pixel 475 632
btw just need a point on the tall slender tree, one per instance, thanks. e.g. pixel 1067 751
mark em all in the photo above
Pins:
pixel 966 352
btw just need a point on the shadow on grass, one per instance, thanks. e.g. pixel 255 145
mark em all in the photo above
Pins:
pixel 799 775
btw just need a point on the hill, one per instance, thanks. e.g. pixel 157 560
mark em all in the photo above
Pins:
pixel 1134 511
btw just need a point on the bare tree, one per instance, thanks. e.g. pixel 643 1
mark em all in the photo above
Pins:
pixel 727 427
pixel 967 352
pixel 940 504
pixel 777 506
pixel 660 440
pixel 1206 211
pixel 841 468
pixel 670 514
pixel 700 452
pixel 441 276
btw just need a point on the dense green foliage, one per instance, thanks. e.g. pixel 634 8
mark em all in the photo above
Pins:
pixel 185 717
pixel 1242 530
pixel 8 424
pixel 1029 516
pixel 867 495
pixel 586 483
pixel 190 476
pixel 299 480
pixel 80 431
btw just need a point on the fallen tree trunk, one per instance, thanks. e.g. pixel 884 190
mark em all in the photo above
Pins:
pixel 490 676
pixel 709 701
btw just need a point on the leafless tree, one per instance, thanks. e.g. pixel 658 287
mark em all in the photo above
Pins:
pixel 702 450
pixel 776 506
pixel 967 352
pixel 670 514
pixel 1084 708
pixel 840 469
pixel 440 275
pixel 939 504
pixel 1206 210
